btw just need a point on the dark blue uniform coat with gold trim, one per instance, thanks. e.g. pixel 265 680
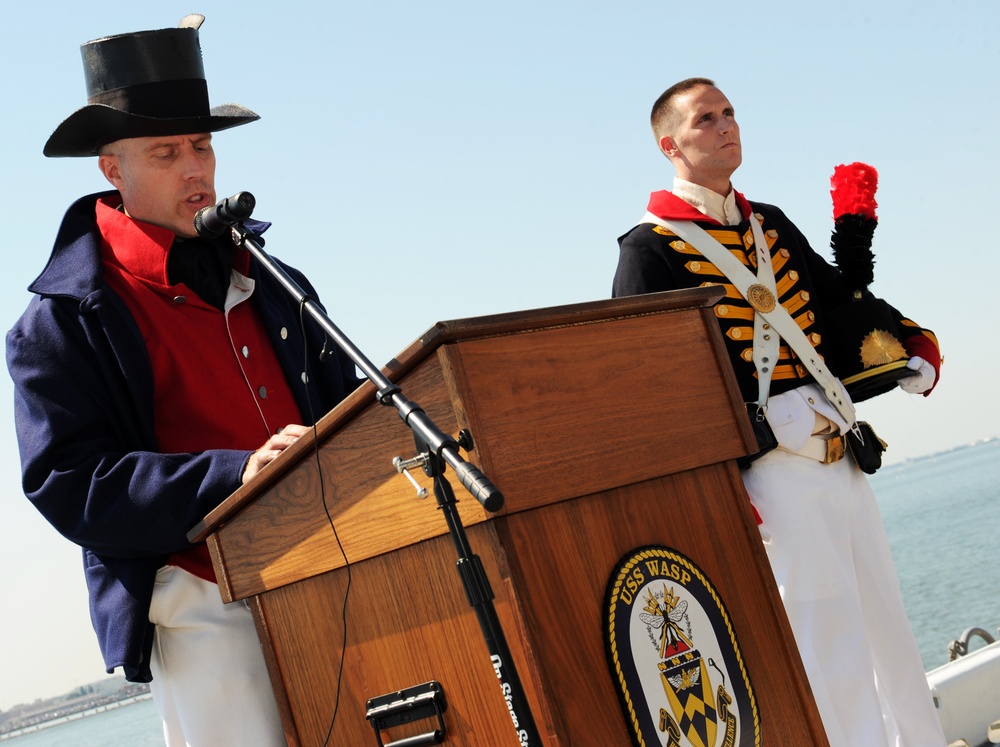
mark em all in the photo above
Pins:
pixel 652 259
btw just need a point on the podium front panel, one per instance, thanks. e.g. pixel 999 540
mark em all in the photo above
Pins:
pixel 608 427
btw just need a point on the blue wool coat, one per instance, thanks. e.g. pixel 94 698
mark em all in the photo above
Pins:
pixel 83 408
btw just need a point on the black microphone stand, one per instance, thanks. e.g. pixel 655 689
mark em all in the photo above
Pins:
pixel 436 450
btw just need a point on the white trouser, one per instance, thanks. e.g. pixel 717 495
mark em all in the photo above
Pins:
pixel 210 683
pixel 831 559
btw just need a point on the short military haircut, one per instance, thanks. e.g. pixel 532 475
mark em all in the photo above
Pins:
pixel 663 118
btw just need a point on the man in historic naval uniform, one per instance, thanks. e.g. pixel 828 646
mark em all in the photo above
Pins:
pixel 155 372
pixel 819 519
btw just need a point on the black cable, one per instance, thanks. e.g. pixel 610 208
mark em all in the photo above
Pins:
pixel 329 518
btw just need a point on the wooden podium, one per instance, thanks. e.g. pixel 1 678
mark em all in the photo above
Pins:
pixel 608 426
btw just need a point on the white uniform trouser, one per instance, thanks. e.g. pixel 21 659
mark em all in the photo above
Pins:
pixel 210 684
pixel 831 559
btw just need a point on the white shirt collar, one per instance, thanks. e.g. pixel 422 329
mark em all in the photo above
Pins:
pixel 715 206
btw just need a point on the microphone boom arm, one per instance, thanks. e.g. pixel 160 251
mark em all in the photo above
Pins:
pixel 440 444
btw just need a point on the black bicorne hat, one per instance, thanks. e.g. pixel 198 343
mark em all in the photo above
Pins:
pixel 143 84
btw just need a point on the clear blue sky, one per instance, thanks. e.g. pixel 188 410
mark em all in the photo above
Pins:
pixel 429 161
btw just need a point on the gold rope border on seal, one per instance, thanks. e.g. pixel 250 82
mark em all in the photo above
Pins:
pixel 613 638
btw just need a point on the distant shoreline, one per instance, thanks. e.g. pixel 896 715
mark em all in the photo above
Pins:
pixel 72 712
pixel 942 452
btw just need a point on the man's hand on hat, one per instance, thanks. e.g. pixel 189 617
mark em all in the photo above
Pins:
pixel 922 380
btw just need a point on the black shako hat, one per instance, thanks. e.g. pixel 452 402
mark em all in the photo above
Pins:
pixel 143 84
pixel 862 336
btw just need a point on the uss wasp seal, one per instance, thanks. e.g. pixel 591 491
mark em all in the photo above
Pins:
pixel 674 656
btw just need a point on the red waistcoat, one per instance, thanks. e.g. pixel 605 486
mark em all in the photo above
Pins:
pixel 216 381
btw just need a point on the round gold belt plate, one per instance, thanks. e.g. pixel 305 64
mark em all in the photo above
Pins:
pixel 761 298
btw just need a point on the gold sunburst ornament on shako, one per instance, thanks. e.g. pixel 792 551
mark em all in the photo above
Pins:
pixel 880 348
pixel 673 653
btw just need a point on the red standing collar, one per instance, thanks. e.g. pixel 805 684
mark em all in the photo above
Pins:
pixel 669 206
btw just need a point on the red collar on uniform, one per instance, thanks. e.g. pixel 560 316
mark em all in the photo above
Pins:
pixel 669 206
pixel 141 248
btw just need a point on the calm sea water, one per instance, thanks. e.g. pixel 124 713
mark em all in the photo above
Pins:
pixel 135 725
pixel 941 513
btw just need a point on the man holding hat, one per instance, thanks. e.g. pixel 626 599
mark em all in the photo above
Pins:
pixel 155 372
pixel 819 519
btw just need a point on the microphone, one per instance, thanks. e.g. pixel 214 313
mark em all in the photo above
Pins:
pixel 213 221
